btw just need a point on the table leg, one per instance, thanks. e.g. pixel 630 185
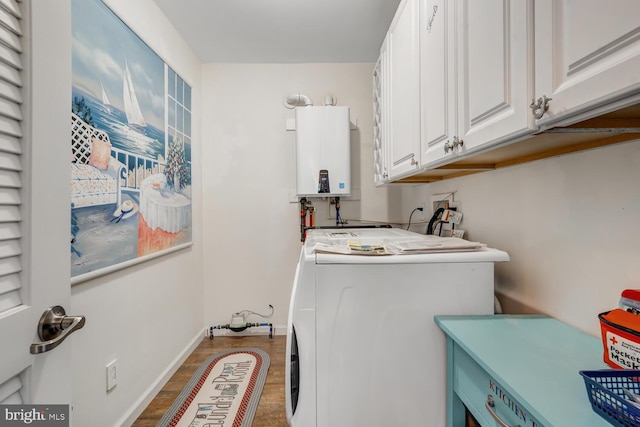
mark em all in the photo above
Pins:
pixel 455 407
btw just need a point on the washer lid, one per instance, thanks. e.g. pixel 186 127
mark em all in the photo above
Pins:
pixel 483 255
pixel 392 246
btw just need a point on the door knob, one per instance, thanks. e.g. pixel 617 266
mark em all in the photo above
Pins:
pixel 54 327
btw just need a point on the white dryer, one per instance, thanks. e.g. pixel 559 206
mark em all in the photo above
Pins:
pixel 362 346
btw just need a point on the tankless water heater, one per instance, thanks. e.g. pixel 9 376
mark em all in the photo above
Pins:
pixel 323 151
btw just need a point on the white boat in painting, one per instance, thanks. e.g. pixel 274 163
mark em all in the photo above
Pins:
pixel 131 107
pixel 105 98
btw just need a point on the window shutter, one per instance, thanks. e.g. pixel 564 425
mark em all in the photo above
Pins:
pixel 10 158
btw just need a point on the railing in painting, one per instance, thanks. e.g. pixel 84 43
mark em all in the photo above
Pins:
pixel 138 167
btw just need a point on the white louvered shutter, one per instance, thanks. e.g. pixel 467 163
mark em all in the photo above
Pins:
pixel 10 170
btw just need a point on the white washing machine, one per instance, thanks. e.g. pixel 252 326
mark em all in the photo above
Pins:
pixel 362 346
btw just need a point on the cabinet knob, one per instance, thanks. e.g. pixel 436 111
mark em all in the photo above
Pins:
pixel 453 146
pixel 538 108
pixel 448 146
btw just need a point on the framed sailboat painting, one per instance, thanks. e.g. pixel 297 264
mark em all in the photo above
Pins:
pixel 130 148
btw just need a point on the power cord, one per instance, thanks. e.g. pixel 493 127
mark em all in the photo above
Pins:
pixel 412 212
pixel 247 312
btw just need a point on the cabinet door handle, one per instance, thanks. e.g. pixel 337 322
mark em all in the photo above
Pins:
pixel 540 107
pixel 490 405
pixel 405 158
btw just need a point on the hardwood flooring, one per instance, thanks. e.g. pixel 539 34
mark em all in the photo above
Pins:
pixel 271 409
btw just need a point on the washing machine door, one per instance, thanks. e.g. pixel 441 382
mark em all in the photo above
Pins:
pixel 294 373
pixel 300 368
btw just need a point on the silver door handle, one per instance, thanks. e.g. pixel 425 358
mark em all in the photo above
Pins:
pixel 54 327
pixel 490 405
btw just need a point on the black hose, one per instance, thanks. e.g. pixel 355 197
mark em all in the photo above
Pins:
pixel 436 215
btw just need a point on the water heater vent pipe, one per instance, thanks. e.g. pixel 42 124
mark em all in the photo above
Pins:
pixel 297 100
pixel 329 100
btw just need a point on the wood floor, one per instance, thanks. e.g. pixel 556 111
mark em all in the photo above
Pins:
pixel 271 409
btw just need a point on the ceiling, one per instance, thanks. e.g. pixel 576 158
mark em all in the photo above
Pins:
pixel 282 31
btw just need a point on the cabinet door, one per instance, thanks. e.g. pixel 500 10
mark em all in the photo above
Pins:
pixel 381 117
pixel 404 57
pixel 437 77
pixel 495 71
pixel 587 53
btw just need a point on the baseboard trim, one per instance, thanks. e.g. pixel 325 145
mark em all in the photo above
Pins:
pixel 139 405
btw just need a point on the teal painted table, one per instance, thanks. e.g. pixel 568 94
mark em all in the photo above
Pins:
pixel 528 365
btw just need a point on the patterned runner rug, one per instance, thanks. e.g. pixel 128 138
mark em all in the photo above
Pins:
pixel 224 391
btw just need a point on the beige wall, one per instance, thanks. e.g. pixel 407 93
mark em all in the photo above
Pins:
pixel 570 225
pixel 251 227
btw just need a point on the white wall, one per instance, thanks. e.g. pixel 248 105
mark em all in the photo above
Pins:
pixel 251 230
pixel 149 315
pixel 570 225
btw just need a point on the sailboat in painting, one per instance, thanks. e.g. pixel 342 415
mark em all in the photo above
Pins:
pixel 131 107
pixel 105 99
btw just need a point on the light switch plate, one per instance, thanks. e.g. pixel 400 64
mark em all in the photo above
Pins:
pixel 112 374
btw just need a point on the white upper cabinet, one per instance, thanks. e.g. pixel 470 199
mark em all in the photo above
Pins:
pixel 404 90
pixel 478 85
pixel 476 75
pixel 495 71
pixel 381 117
pixel 438 77
pixel 587 54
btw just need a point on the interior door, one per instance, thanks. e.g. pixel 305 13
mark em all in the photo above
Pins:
pixel 35 88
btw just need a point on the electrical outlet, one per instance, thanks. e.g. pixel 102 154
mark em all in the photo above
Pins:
pixel 112 374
